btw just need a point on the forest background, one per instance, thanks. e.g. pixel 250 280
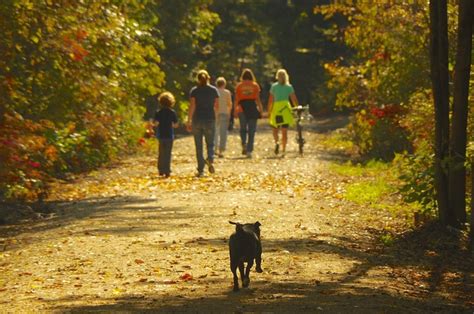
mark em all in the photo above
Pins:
pixel 78 78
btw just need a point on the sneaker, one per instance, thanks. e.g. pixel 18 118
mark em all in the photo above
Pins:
pixel 210 166
pixel 249 155
pixel 277 148
pixel 200 174
pixel 244 150
pixel 220 155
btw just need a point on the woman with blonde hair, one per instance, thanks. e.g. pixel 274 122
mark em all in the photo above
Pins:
pixel 248 108
pixel 279 108
pixel 222 122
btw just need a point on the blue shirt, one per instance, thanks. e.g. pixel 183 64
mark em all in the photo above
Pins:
pixel 166 117
pixel 281 91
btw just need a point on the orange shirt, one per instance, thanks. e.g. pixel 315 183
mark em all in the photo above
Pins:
pixel 246 90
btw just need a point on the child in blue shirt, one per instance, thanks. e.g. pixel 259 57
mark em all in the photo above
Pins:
pixel 165 120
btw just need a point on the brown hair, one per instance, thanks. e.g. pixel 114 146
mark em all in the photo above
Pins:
pixel 203 77
pixel 247 75
pixel 166 99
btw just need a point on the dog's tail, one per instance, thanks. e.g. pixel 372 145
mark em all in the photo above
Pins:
pixel 234 223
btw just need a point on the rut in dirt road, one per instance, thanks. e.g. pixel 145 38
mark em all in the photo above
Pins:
pixel 122 239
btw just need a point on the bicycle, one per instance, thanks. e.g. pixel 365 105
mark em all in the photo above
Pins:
pixel 299 128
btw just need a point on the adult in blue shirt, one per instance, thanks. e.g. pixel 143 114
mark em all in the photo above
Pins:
pixel 204 103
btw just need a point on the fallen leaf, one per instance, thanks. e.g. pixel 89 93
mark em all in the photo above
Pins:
pixel 139 261
pixel 186 277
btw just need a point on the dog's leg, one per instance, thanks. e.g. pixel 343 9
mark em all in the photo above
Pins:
pixel 258 258
pixel 233 268
pixel 242 275
pixel 246 280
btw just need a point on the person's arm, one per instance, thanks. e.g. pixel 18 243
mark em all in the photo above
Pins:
pixel 155 121
pixel 216 107
pixel 259 104
pixel 229 103
pixel 236 104
pixel 294 100
pixel 192 106
pixel 175 123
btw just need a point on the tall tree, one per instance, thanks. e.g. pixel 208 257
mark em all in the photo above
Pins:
pixel 458 141
pixel 472 204
pixel 440 80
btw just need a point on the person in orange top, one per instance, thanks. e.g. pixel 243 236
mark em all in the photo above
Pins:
pixel 248 108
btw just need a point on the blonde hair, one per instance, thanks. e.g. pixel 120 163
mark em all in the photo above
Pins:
pixel 220 82
pixel 166 99
pixel 203 77
pixel 282 77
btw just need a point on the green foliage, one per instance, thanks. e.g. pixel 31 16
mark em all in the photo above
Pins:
pixel 379 80
pixel 387 239
pixel 371 168
pixel 73 76
pixel 417 175
pixel 338 141
pixel 185 29
pixel 369 192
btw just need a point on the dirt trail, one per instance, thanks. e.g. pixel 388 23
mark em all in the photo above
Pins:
pixel 121 239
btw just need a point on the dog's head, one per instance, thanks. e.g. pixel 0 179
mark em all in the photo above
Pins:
pixel 240 227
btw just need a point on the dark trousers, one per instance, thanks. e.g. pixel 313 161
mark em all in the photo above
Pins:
pixel 247 128
pixel 164 156
pixel 204 129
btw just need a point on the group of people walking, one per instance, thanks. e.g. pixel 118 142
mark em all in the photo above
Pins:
pixel 210 111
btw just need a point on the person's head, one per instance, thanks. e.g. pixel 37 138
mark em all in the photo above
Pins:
pixel 247 75
pixel 203 77
pixel 221 82
pixel 282 77
pixel 166 100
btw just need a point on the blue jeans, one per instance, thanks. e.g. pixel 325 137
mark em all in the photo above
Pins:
pixel 164 156
pixel 247 127
pixel 207 130
pixel 222 124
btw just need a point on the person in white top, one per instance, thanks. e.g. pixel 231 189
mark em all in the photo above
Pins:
pixel 223 116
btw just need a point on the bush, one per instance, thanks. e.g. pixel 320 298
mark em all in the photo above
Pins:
pixel 417 175
pixel 377 133
pixel 36 152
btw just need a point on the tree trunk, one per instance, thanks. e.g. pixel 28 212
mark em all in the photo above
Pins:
pixel 472 205
pixel 457 169
pixel 440 80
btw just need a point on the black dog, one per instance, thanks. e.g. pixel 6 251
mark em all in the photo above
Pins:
pixel 245 246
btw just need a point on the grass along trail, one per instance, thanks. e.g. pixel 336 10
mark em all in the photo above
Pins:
pixel 122 239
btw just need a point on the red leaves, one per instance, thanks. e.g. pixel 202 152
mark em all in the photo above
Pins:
pixel 74 47
pixel 34 164
pixel 379 113
pixel 81 34
pixel 186 277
